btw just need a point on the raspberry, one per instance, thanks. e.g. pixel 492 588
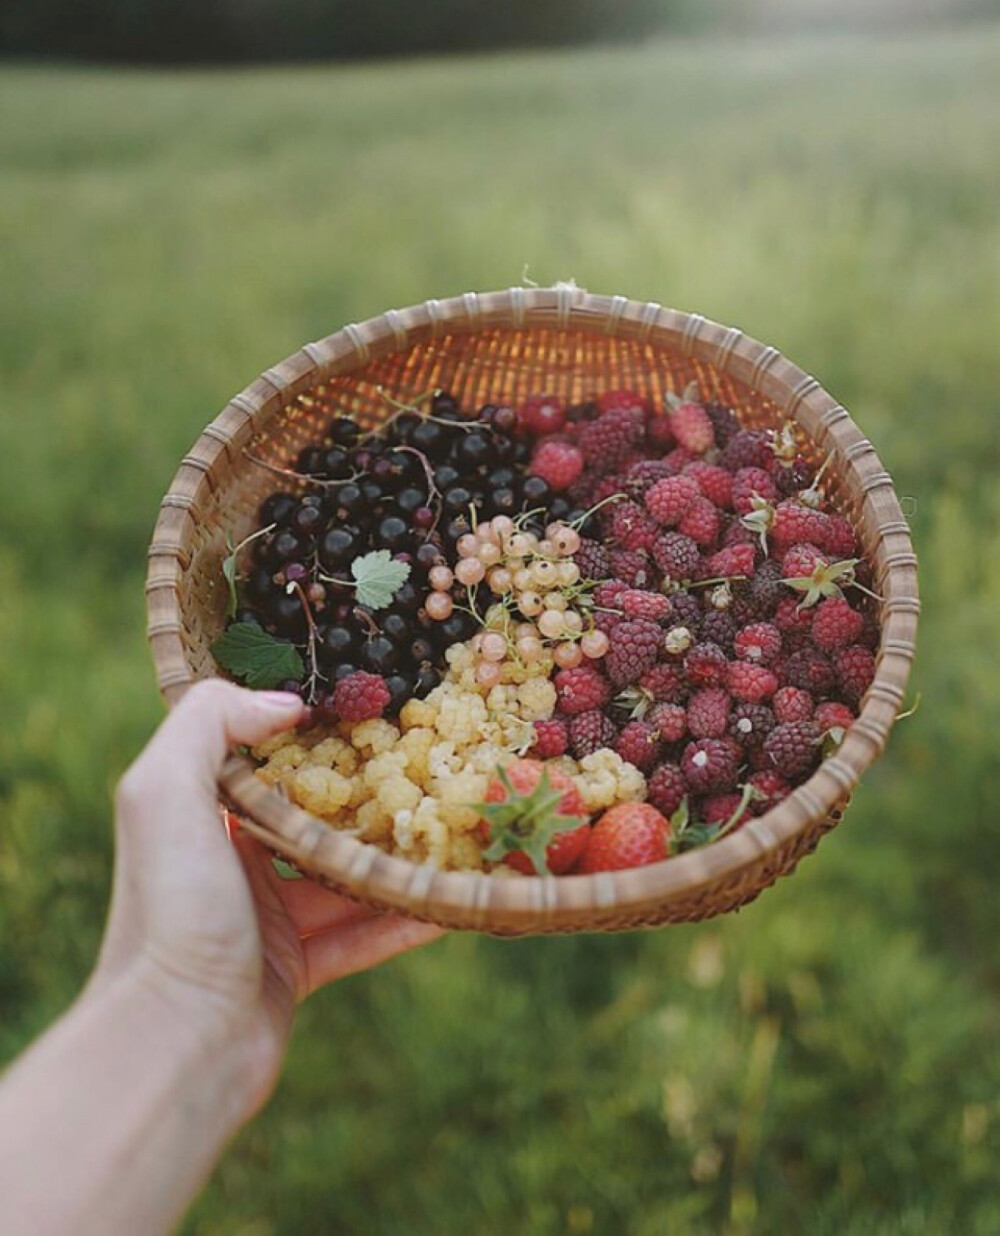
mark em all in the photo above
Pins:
pixel 632 566
pixel 810 670
pixel 709 766
pixel 841 539
pixel 581 689
pixel 361 697
pixel 718 808
pixel 665 683
pixel 633 651
pixel 542 414
pixel 792 478
pixel 631 526
pixel 660 431
pixel 724 422
pixel 732 561
pixel 705 665
pixel 832 715
pixel 559 463
pixel 687 611
pixel 855 670
pixel 737 534
pixel 679 458
pixel 652 606
pixel 621 400
pixel 750 724
pixel 701 522
pixel 642 476
pixel 639 743
pixel 592 559
pixel 789 617
pixel 774 788
pixel 792 704
pixel 750 682
pixel 715 483
pixel 668 500
pixel 670 721
pixel 835 624
pixel 606 622
pixel 795 522
pixel 666 788
pixel 792 747
pixel 718 627
pixel 750 483
pixel 589 731
pixel 760 642
pixel 801 560
pixel 692 427
pixel 606 442
pixel 708 712
pixel 551 739
pixel 765 589
pixel 608 594
pixel 677 556
pixel 749 448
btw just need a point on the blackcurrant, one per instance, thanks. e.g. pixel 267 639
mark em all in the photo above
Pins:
pixel 336 463
pixel 379 655
pixel 308 520
pixel 410 499
pixel 536 491
pixel 427 679
pixel 504 501
pixel 446 476
pixel 400 690
pixel 429 555
pixel 338 643
pixel 260 586
pixel 407 598
pixel 421 649
pixel 501 477
pixel 349 501
pixel 393 533
pixel 398 629
pixel 431 439
pixel 474 449
pixel 285 546
pixel 344 670
pixel 343 431
pixel 445 405
pixel 310 460
pixel 456 500
pixel 277 508
pixel 288 615
pixel 339 546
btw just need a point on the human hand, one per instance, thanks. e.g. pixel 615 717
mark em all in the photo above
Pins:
pixel 208 923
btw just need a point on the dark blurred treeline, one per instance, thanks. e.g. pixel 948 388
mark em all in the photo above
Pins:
pixel 221 31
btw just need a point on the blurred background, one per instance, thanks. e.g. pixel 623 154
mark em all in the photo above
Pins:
pixel 176 215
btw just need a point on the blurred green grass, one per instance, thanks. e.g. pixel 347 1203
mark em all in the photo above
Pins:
pixel 826 1061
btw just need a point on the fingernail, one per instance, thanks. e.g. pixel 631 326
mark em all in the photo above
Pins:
pixel 278 701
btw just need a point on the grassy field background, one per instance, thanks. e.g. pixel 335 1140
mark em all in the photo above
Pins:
pixel 828 1060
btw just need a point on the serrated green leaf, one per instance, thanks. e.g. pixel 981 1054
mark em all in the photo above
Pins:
pixel 378 577
pixel 256 658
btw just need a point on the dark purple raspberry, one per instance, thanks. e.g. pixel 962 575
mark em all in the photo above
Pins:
pixel 639 743
pixel 709 766
pixel 589 731
pixel 750 724
pixel 592 559
pixel 809 669
pixel 765 590
pixel 687 612
pixel 632 566
pixel 724 423
pixel 642 476
pixel 794 478
pixel 677 556
pixel 705 665
pixel 793 748
pixel 718 627
pixel 634 650
pixel 749 448
pixel 667 788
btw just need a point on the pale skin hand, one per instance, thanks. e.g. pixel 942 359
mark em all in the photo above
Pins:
pixel 114 1119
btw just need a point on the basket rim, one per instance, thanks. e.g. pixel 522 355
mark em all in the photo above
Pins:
pixel 546 902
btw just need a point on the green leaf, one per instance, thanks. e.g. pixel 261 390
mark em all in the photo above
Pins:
pixel 229 566
pixel 247 652
pixel 378 577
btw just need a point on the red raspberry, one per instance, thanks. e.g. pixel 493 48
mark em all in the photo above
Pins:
pixel 660 431
pixel 605 621
pixel 589 731
pixel 751 683
pixel 750 724
pixel 679 458
pixel 724 422
pixel 551 739
pixel 795 522
pixel 668 500
pixel 670 721
pixel 581 689
pixel 747 449
pixel 832 715
pixel 701 522
pixel 666 788
pixel 855 670
pixel 772 785
pixel 604 487
pixel 608 595
pixel 631 526
pixel 542 414
pixel 835 624
pixel 801 560
pixel 361 697
pixel 715 483
pixel 760 642
pixel 559 463
pixel 592 559
pixel 718 808
pixel 632 566
pixel 809 669
pixel 692 427
pixel 640 744
pixel 708 712
pixel 792 704
pixel 652 606
pixel 665 683
pixel 634 650
pixel 641 477
pixel 789 617
pixel 622 400
pixel 736 534
pixel 750 483
pixel 677 556
pixel 705 665
pixel 793 748
pixel 709 766
pixel 732 561
pixel 608 441
pixel 841 539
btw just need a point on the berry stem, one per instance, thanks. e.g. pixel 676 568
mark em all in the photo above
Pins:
pixel 314 675
pixel 299 476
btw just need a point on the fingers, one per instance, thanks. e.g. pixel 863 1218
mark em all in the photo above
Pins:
pixel 314 909
pixel 359 945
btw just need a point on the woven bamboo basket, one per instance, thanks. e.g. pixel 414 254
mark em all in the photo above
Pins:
pixel 501 347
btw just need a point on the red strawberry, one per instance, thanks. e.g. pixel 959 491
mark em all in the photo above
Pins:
pixel 627 835
pixel 559 463
pixel 535 816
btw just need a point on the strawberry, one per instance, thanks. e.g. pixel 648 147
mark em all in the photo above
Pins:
pixel 627 835
pixel 535 818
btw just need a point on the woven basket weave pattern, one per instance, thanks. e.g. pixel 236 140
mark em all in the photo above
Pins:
pixel 500 348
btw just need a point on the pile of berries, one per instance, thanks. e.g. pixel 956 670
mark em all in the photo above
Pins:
pixel 700 608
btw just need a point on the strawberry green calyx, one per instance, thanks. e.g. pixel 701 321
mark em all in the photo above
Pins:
pixel 527 822
pixel 825 581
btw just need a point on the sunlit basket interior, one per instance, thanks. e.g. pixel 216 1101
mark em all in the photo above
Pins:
pixel 501 347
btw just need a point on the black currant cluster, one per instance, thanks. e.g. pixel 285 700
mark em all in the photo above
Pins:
pixel 409 487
